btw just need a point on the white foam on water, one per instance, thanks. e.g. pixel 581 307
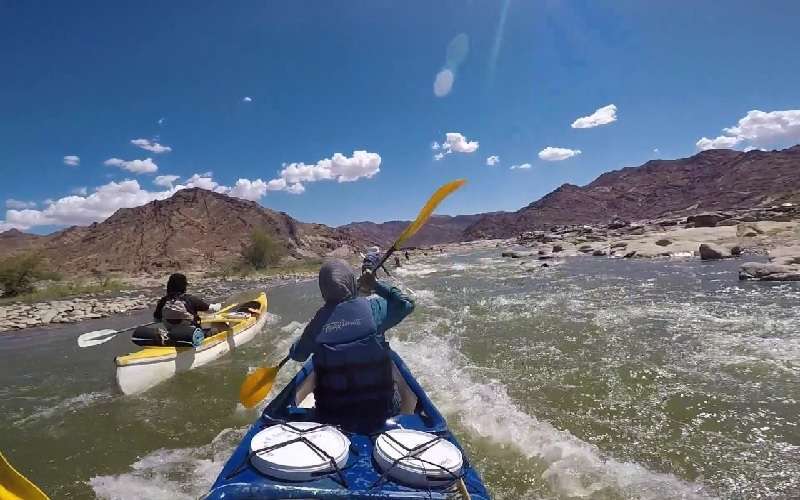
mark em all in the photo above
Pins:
pixel 271 318
pixel 416 270
pixel 293 327
pixel 185 473
pixel 574 468
pixel 69 405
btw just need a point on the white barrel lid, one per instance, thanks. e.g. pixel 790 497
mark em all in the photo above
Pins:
pixel 420 469
pixel 298 461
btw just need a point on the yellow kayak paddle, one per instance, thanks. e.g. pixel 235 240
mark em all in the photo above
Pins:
pixel 15 486
pixel 257 385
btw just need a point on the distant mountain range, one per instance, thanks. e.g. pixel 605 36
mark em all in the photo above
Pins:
pixel 193 229
pixel 197 228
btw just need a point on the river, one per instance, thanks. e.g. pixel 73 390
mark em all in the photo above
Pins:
pixel 595 378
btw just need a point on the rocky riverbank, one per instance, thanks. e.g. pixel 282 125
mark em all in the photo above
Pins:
pixel 143 293
pixel 774 232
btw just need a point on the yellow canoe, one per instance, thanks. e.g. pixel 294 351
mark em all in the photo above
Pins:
pixel 235 325
pixel 15 486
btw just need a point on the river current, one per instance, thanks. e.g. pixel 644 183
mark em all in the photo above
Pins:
pixel 594 378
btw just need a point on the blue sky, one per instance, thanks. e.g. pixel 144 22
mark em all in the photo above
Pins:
pixel 87 78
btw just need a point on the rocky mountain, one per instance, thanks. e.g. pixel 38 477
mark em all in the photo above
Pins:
pixel 439 229
pixel 711 180
pixel 193 229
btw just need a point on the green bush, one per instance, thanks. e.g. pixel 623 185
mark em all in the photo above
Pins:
pixel 262 251
pixel 19 272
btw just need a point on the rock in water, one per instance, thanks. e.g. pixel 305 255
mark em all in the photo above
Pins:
pixel 663 242
pixel 713 252
pixel 769 272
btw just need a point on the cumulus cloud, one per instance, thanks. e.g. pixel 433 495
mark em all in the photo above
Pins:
pixel 524 166
pixel 72 160
pixel 557 154
pixel 758 129
pixel 721 142
pixel 151 146
pixel 247 99
pixel 492 160
pixel 85 208
pixel 145 166
pixel 603 116
pixel 443 83
pixel 81 191
pixel 454 143
pixel 339 168
pixel 435 146
pixel 165 180
pixel 19 204
pixel 249 190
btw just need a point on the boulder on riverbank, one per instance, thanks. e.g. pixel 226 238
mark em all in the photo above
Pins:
pixel 769 271
pixel 710 251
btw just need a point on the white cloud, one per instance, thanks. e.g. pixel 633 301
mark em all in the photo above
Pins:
pixel 443 83
pixel 151 146
pixel 81 191
pixel 19 204
pixel 759 129
pixel 145 166
pixel 524 166
pixel 557 154
pixel 247 99
pixel 455 143
pixel 165 180
pixel 603 116
pixel 655 150
pixel 72 160
pixel 492 160
pixel 249 190
pixel 435 145
pixel 107 199
pixel 362 165
pixel 721 142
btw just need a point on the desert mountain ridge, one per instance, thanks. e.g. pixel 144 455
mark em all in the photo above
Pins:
pixel 195 228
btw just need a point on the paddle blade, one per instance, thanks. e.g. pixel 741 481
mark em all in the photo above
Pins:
pixel 424 214
pixel 257 385
pixel 96 337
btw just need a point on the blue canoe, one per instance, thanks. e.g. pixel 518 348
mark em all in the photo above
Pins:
pixel 359 475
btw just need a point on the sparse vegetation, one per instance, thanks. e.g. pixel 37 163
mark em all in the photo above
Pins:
pixel 263 251
pixel 18 273
pixel 63 290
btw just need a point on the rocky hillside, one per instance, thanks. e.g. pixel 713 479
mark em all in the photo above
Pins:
pixel 193 229
pixel 712 180
pixel 439 229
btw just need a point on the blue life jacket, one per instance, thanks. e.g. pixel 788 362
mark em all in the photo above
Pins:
pixel 354 370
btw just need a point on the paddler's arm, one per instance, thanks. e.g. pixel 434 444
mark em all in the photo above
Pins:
pixel 390 306
pixel 304 346
pixel 157 314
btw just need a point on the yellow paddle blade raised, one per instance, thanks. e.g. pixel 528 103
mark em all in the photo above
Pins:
pixel 424 214
pixel 257 385
pixel 15 486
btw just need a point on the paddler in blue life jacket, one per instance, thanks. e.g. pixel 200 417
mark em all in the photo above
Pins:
pixel 351 355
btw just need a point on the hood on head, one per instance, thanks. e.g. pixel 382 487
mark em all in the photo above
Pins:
pixel 337 282
pixel 176 284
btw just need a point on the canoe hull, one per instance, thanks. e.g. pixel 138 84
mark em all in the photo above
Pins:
pixel 137 373
pixel 239 479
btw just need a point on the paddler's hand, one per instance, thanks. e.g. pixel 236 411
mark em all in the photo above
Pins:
pixel 366 283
